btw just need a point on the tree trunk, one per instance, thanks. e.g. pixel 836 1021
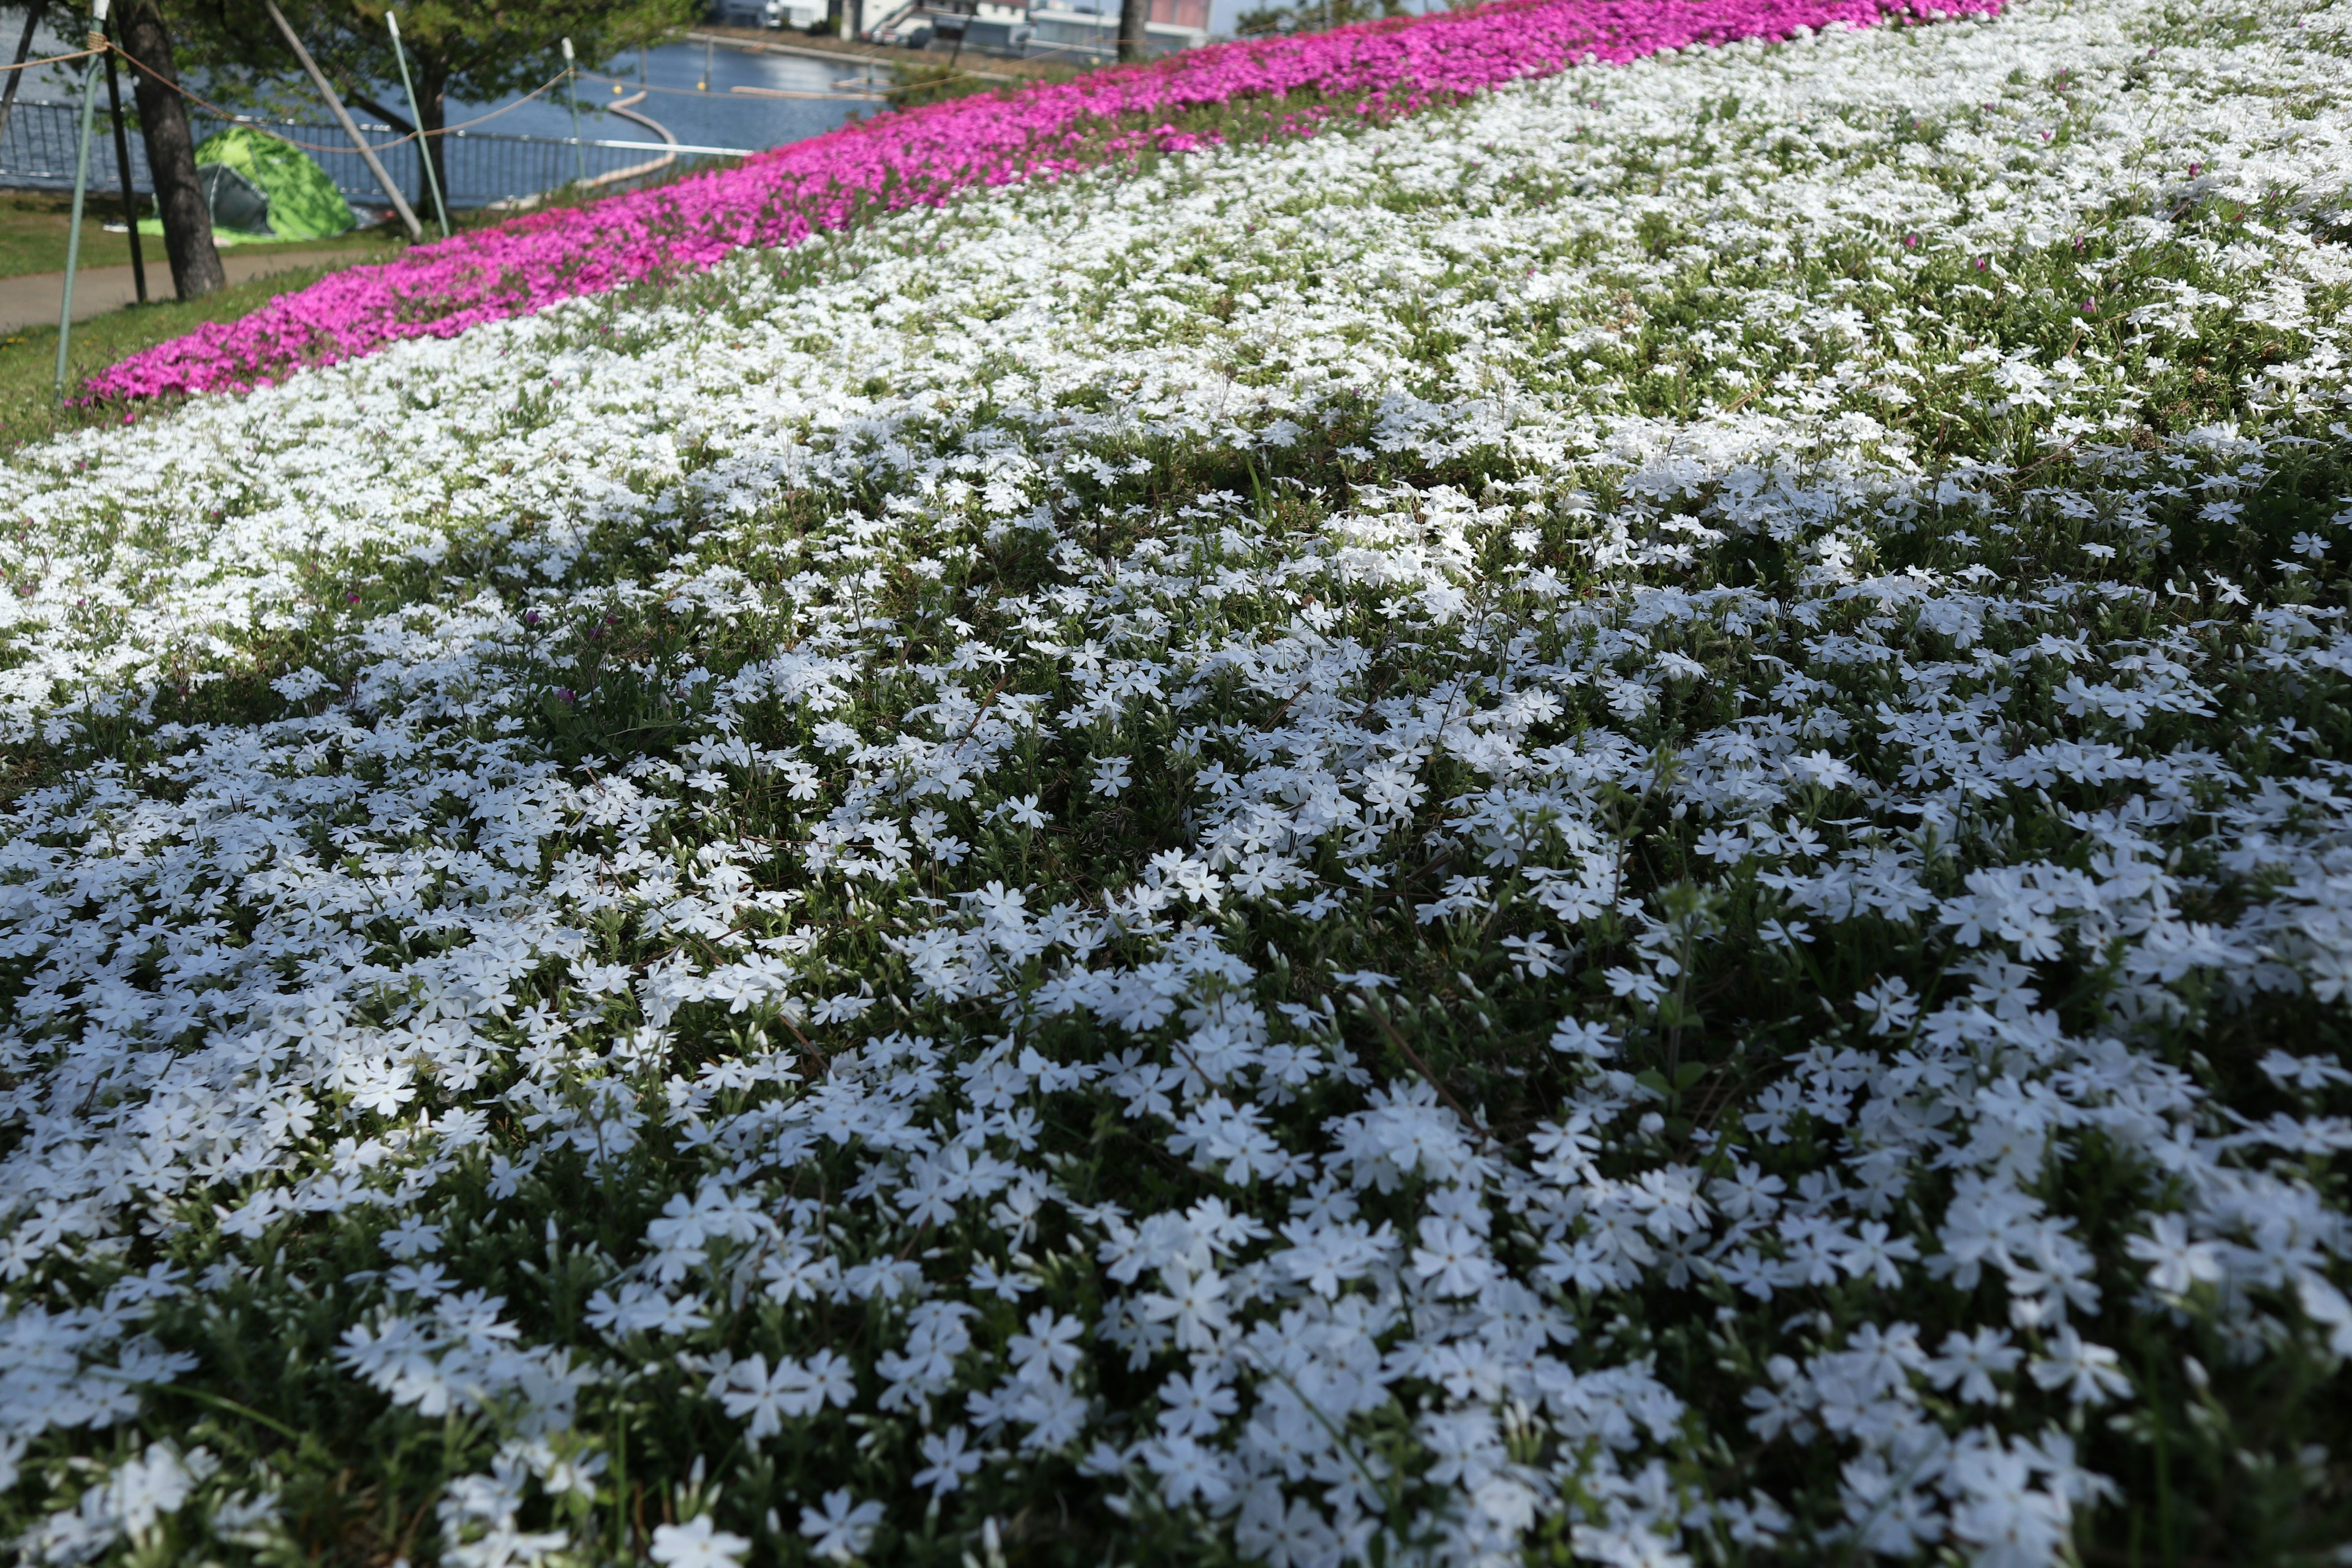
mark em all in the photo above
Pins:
pixel 432 113
pixel 170 155
pixel 1132 15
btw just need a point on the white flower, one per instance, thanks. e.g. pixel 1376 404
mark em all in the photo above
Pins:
pixel 2175 1262
pixel 2088 1373
pixel 148 1487
pixel 1452 1258
pixel 947 1461
pixel 697 1543
pixel 1048 1349
pixel 1187 1471
pixel 1534 957
pixel 1196 1405
pixel 1639 984
pixel 793 1389
pixel 1193 1303
pixel 1583 1037
pixel 841 1529
pixel 2327 1307
pixel 1110 777
pixel 1970 1362
pixel 677 834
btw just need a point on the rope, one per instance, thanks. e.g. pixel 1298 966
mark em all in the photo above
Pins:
pixel 231 115
pixel 51 60
pixel 263 126
pixel 748 91
pixel 544 87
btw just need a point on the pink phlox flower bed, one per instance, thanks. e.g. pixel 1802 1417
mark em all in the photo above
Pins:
pixel 928 154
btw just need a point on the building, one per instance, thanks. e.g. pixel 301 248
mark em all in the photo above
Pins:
pixel 795 13
pixel 1076 30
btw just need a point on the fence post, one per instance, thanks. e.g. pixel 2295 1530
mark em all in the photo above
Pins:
pixel 130 195
pixel 572 91
pixel 81 187
pixel 416 118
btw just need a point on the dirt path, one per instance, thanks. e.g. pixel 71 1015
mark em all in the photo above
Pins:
pixel 32 301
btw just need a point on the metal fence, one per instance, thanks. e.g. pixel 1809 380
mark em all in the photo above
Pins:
pixel 38 151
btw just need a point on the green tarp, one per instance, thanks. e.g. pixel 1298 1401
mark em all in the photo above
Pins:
pixel 260 187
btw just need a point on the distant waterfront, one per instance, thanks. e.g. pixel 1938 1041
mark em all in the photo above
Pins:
pixel 716 117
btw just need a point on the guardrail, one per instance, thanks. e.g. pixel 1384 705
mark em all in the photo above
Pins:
pixel 484 167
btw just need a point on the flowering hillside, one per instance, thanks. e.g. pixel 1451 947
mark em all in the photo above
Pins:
pixel 1259 90
pixel 1609 825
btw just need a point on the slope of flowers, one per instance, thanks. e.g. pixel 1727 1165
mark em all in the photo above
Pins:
pixel 927 154
pixel 1611 826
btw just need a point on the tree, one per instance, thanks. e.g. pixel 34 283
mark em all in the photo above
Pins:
pixel 476 49
pixel 1132 17
pixel 171 151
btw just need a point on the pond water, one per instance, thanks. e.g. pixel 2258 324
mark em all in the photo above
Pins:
pixel 712 117
pixel 689 89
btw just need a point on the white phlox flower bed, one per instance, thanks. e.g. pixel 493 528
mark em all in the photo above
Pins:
pixel 1606 825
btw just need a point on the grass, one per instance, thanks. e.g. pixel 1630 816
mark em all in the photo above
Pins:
pixel 32 240
pixel 28 357
pixel 33 226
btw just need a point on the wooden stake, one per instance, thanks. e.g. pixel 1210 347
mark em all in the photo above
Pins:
pixel 344 116
pixel 81 189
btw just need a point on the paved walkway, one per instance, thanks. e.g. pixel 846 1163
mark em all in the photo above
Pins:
pixel 32 301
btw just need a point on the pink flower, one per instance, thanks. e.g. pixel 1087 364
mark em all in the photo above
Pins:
pixel 923 156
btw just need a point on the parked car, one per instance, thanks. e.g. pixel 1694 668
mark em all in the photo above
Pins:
pixel 754 13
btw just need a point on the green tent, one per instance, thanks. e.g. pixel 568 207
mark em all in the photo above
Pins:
pixel 259 187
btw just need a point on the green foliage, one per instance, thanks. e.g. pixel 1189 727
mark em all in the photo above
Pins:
pixel 478 52
pixel 28 356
